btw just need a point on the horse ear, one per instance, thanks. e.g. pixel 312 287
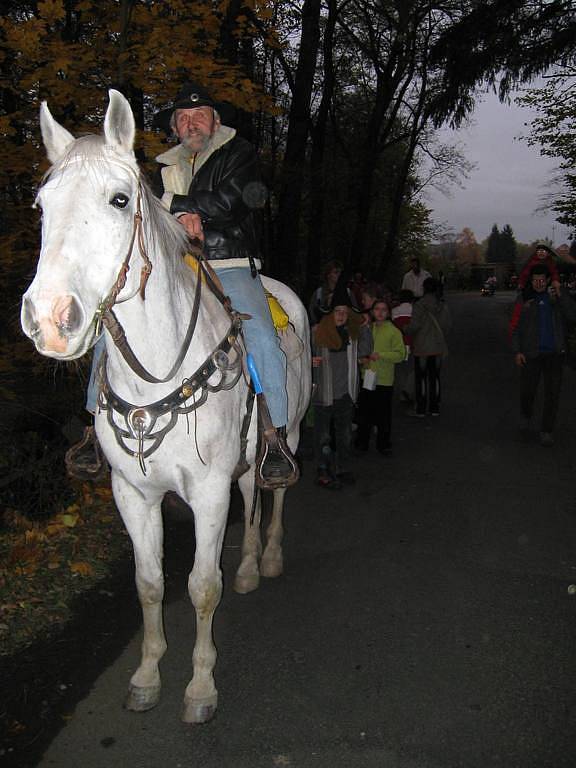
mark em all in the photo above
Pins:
pixel 119 126
pixel 56 138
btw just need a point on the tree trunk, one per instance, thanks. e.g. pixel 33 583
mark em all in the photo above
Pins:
pixel 317 191
pixel 239 52
pixel 292 176
pixel 418 124
pixel 369 159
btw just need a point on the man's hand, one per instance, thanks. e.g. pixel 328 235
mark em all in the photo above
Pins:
pixel 520 360
pixel 316 362
pixel 193 225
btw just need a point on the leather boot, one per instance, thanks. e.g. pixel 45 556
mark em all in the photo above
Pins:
pixel 276 466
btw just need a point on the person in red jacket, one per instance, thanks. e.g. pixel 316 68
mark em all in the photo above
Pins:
pixel 542 255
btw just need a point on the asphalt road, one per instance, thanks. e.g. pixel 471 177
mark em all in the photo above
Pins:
pixel 424 619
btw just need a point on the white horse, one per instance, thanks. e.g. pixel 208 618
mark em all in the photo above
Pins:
pixel 183 433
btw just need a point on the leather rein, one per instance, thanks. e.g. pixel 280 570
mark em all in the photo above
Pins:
pixel 140 421
pixel 106 317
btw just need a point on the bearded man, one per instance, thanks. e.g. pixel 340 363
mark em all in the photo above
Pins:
pixel 211 182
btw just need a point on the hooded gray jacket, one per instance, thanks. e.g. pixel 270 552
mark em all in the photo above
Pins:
pixel 429 326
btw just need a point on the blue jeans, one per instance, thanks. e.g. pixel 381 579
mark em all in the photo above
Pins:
pixel 92 392
pixel 247 295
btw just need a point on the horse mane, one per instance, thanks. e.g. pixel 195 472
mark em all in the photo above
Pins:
pixel 163 234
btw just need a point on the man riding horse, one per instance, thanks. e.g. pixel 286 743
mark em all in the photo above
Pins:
pixel 211 182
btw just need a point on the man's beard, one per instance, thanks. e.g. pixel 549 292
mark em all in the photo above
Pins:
pixel 197 142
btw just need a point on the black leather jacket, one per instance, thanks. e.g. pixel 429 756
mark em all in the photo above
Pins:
pixel 226 192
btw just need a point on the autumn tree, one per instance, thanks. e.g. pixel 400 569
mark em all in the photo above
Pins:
pixel 70 52
pixel 467 248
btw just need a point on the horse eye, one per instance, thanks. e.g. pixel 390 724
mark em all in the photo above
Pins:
pixel 120 200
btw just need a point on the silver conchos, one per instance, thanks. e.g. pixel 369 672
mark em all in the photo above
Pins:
pixel 139 421
pixel 221 360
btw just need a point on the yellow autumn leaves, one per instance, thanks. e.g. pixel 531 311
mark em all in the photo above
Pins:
pixel 45 565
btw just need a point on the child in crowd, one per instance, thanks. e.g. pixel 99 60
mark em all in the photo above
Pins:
pixel 339 340
pixel 404 374
pixel 543 255
pixel 375 404
pixel 367 299
pixel 322 296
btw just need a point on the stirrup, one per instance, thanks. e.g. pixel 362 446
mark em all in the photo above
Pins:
pixel 275 466
pixel 84 460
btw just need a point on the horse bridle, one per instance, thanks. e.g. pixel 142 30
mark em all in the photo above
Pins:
pixel 106 317
pixel 141 421
pixel 107 304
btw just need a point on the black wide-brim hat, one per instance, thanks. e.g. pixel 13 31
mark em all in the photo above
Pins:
pixel 190 96
pixel 341 296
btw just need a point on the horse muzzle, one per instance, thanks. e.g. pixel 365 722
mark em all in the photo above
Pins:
pixel 57 327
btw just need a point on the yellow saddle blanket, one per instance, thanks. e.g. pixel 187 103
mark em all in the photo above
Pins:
pixel 279 316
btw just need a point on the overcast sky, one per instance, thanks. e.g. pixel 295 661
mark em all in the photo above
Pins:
pixel 508 183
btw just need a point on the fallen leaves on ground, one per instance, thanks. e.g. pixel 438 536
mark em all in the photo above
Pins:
pixel 44 566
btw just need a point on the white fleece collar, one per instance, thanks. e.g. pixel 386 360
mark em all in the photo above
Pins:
pixel 181 154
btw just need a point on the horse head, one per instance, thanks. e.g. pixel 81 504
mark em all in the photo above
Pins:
pixel 90 202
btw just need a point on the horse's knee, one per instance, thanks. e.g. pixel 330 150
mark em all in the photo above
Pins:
pixel 150 590
pixel 205 595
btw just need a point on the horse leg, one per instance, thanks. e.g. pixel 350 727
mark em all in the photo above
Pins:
pixel 210 507
pixel 272 563
pixel 143 520
pixel 248 575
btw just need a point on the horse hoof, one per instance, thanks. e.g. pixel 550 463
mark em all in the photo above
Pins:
pixel 271 569
pixel 198 711
pixel 141 699
pixel 246 583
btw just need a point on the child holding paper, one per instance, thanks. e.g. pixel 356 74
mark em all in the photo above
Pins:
pixel 375 400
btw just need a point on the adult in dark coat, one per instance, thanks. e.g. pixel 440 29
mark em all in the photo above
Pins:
pixel 429 325
pixel 539 345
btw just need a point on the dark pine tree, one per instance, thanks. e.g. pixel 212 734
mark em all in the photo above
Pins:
pixel 508 247
pixel 493 251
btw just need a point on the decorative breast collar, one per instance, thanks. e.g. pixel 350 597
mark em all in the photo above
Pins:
pixel 139 422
